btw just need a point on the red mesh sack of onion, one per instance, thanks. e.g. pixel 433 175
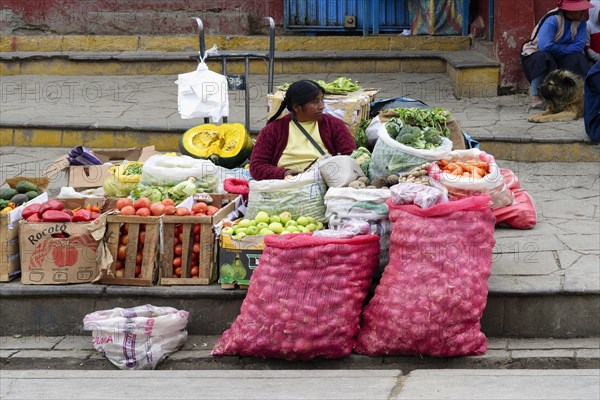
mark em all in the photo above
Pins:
pixel 433 291
pixel 304 299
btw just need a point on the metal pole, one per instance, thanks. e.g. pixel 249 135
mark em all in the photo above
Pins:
pixel 271 54
pixel 247 91
pixel 201 44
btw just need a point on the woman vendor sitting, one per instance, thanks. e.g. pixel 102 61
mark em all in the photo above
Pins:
pixel 288 145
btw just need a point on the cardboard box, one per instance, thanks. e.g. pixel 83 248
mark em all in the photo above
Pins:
pixel 246 251
pixel 352 108
pixel 69 247
pixel 92 176
pixel 57 253
pixel 10 263
pixel 206 239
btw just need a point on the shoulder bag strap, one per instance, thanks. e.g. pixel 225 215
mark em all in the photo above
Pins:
pixel 310 139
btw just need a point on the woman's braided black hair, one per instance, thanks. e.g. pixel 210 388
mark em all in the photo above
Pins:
pixel 300 92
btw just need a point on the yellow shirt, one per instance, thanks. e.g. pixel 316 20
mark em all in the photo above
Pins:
pixel 299 152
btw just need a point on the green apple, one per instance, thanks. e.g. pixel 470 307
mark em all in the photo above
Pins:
pixel 319 225
pixel 311 227
pixel 239 236
pixel 304 229
pixel 266 231
pixel 285 232
pixel 241 230
pixel 291 222
pixel 262 225
pixel 262 216
pixel 245 223
pixel 274 218
pixel 228 230
pixel 252 230
pixel 285 217
pixel 302 221
pixel 276 227
pixel 311 220
pixel 293 229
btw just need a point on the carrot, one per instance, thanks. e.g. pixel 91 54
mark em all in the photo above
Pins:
pixel 444 163
pixel 465 166
pixel 480 171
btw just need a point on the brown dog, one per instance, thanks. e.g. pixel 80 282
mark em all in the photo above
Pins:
pixel 562 91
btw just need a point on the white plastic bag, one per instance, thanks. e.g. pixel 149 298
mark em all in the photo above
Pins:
pixel 423 196
pixel 372 130
pixel 301 195
pixel 138 337
pixel 390 156
pixel 203 93
pixel 338 171
pixel 167 170
pixel 493 183
pixel 345 205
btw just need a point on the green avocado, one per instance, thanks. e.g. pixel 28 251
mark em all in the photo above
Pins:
pixel 32 194
pixel 26 186
pixel 19 199
pixel 7 193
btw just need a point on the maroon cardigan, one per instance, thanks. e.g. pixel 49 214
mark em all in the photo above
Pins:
pixel 273 139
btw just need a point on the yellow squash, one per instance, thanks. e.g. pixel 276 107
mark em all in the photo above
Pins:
pixel 227 145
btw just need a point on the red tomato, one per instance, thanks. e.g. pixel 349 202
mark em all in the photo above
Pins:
pixel 142 202
pixel 157 209
pixel 178 272
pixel 124 229
pixel 197 238
pixel 199 207
pixel 128 210
pixel 182 211
pixel 139 257
pixel 143 212
pixel 168 202
pixel 227 223
pixel 195 272
pixel 142 237
pixel 178 249
pixel 196 248
pixel 122 252
pixel 120 265
pixel 120 273
pixel 169 210
pixel 211 210
pixel 123 202
pixel 196 228
pixel 138 270
pixel 124 239
pixel 177 262
pixel 176 240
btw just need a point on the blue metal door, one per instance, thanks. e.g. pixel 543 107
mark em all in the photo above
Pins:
pixel 345 15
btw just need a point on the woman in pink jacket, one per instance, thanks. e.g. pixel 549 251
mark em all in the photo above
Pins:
pixel 288 145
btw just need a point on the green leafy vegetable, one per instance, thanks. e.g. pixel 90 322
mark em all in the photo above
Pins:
pixel 361 138
pixel 133 169
pixel 426 118
pixel 341 85
pixel 362 156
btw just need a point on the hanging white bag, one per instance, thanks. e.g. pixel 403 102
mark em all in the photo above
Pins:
pixel 203 93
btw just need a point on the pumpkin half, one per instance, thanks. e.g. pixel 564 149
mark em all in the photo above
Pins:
pixel 227 145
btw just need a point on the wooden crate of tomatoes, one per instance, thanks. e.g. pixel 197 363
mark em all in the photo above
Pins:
pixel 189 243
pixel 132 237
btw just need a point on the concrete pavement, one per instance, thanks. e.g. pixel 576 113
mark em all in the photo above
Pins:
pixel 303 384
pixel 149 103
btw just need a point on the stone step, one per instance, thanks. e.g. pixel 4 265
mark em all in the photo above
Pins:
pixel 76 352
pixel 518 305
